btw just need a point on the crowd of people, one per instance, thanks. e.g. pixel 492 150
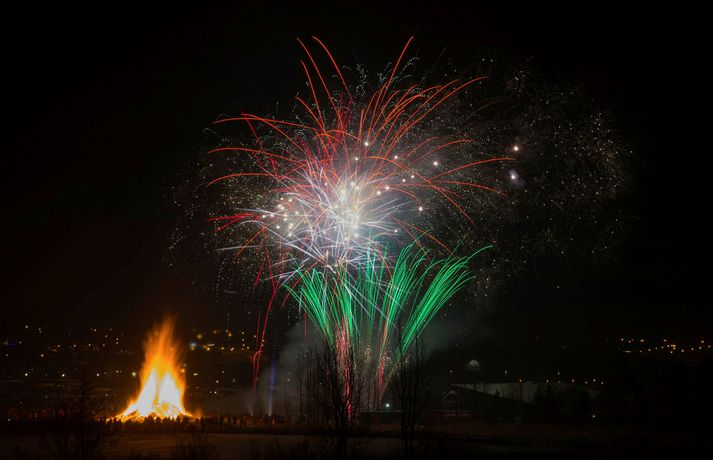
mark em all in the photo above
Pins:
pixel 215 423
pixel 17 420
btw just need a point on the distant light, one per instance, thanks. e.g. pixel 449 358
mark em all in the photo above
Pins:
pixel 388 405
pixel 366 143
pixel 420 208
pixel 435 163
pixel 516 148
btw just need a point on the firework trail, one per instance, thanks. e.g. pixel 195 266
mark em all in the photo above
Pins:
pixel 377 311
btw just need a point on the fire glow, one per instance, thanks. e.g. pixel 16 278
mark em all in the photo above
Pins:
pixel 162 383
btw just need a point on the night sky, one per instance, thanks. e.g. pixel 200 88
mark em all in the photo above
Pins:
pixel 104 111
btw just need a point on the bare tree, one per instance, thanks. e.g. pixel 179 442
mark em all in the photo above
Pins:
pixel 342 384
pixel 410 387
pixel 75 430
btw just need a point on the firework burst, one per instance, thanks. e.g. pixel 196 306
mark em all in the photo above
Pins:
pixel 347 181
pixel 350 177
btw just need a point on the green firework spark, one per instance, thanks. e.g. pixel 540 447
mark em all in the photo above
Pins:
pixel 378 309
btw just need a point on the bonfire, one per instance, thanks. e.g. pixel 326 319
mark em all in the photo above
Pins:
pixel 162 382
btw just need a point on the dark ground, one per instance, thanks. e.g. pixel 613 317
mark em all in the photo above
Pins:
pixel 502 440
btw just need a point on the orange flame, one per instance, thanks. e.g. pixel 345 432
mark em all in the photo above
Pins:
pixel 162 383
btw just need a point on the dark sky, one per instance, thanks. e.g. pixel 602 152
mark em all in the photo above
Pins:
pixel 103 109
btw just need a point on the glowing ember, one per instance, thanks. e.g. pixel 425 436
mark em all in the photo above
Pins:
pixel 162 384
